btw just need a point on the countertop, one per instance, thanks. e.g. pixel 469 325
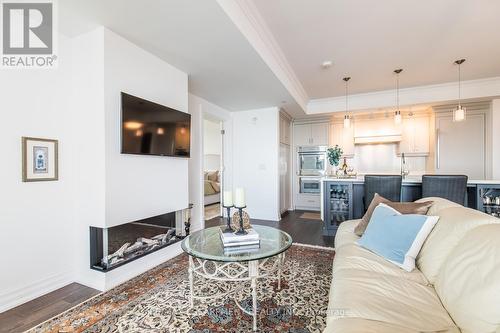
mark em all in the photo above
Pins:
pixel 408 180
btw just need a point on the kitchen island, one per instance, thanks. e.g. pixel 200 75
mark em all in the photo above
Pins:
pixel 343 199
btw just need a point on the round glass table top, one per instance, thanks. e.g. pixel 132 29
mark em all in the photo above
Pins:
pixel 207 244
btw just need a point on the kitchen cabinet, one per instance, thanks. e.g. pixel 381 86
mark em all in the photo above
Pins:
pixel 343 137
pixel 461 146
pixel 415 136
pixel 308 202
pixel 284 130
pixel 302 135
pixel 284 170
pixel 319 134
pixel 315 134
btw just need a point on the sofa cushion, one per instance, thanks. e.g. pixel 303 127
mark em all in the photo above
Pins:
pixel 353 256
pixel 361 227
pixel 469 281
pixel 345 233
pixel 397 237
pixel 438 204
pixel 420 208
pixel 360 325
pixel 454 223
pixel 388 299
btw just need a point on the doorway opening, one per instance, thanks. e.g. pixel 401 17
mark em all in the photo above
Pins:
pixel 212 167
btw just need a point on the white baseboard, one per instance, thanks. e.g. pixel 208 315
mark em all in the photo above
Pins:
pixel 13 298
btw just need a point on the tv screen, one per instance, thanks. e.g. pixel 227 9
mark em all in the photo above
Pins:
pixel 153 129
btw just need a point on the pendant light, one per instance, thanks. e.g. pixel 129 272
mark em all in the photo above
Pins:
pixel 347 118
pixel 460 112
pixel 397 113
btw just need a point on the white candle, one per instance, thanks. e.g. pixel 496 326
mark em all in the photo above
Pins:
pixel 228 199
pixel 239 198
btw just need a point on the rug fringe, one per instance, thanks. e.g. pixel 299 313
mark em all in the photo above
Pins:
pixel 315 246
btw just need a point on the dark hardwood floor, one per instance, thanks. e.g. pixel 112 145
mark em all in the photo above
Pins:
pixel 305 231
pixel 30 314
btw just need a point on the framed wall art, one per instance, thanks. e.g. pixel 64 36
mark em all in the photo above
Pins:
pixel 40 159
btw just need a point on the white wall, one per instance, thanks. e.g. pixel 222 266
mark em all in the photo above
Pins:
pixel 211 135
pixel 211 144
pixel 200 109
pixel 36 219
pixel 89 130
pixel 138 187
pixel 495 138
pixel 130 187
pixel 46 225
pixel 255 160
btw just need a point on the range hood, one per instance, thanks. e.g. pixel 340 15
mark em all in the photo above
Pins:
pixel 373 139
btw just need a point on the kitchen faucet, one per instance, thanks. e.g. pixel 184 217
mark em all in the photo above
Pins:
pixel 404 171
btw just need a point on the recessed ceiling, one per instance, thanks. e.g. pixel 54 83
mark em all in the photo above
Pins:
pixel 368 39
pixel 195 36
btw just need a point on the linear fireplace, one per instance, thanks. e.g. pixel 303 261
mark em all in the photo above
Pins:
pixel 115 246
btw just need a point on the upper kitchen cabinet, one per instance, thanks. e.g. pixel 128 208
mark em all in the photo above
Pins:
pixel 461 146
pixel 343 137
pixel 415 136
pixel 319 134
pixel 315 134
pixel 284 130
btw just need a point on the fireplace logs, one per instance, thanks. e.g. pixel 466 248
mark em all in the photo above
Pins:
pixel 143 245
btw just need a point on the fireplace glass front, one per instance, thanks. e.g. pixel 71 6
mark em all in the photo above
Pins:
pixel 112 247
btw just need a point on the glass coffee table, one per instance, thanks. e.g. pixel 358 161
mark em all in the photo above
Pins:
pixel 207 260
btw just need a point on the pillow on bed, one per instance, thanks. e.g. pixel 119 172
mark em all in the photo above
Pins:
pixel 216 186
pixel 396 237
pixel 213 175
pixel 209 188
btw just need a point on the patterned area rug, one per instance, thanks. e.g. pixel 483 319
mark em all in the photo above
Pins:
pixel 158 301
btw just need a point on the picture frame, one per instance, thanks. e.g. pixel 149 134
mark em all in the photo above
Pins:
pixel 40 160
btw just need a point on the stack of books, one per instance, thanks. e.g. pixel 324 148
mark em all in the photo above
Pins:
pixel 234 243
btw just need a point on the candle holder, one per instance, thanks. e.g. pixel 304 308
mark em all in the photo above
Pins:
pixel 187 223
pixel 228 227
pixel 242 229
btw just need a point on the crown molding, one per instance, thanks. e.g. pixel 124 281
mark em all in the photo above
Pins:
pixel 431 94
pixel 248 20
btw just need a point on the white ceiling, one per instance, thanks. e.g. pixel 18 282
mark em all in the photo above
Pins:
pixel 195 36
pixel 246 54
pixel 368 39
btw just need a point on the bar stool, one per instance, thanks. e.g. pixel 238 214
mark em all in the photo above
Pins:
pixel 388 186
pixel 451 187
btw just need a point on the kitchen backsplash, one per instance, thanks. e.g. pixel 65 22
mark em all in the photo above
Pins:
pixel 382 158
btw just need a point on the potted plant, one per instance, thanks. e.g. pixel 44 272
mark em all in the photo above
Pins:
pixel 334 154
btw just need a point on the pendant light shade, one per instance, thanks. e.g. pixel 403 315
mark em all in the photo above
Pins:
pixel 347 117
pixel 460 113
pixel 347 121
pixel 397 117
pixel 397 113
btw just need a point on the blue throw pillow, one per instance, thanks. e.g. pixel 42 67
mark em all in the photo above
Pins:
pixel 397 237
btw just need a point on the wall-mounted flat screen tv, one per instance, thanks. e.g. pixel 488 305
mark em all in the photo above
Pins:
pixel 153 129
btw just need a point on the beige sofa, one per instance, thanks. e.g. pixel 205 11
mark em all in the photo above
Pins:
pixel 456 287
